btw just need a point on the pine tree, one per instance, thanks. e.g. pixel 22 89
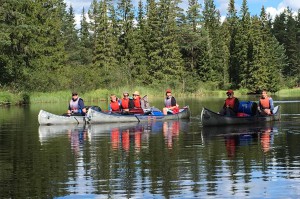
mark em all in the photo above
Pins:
pixel 71 37
pixel 267 57
pixel 127 46
pixel 244 51
pixel 105 44
pixel 233 25
pixel 192 39
pixel 85 41
pixel 212 69
pixel 140 73
pixel 153 38
pixel 173 63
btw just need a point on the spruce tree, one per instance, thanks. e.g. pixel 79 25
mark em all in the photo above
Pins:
pixel 85 41
pixel 192 39
pixel 216 57
pixel 105 44
pixel 233 25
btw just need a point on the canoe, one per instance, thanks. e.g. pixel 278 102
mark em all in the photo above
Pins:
pixel 210 118
pixel 46 118
pixel 153 114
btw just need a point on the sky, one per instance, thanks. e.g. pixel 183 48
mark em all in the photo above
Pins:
pixel 272 7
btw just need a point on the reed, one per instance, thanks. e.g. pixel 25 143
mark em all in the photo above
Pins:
pixel 295 92
pixel 7 97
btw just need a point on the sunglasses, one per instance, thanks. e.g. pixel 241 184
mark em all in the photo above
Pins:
pixel 74 94
pixel 135 95
pixel 229 94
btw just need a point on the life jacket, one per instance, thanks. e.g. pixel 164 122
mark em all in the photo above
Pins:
pixel 115 106
pixel 265 102
pixel 75 106
pixel 137 102
pixel 168 104
pixel 125 103
pixel 230 102
pixel 168 101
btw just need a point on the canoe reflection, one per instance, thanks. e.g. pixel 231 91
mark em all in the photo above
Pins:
pixel 126 135
pixel 77 134
pixel 48 132
pixel 239 136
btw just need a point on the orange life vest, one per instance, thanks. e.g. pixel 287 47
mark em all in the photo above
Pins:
pixel 264 102
pixel 125 103
pixel 115 106
pixel 137 102
pixel 230 102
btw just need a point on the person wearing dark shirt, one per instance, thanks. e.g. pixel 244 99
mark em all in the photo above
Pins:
pixel 231 105
pixel 76 105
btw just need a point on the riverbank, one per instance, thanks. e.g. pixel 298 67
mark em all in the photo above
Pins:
pixel 19 98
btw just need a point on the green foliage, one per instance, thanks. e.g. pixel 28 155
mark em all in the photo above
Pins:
pixel 159 46
pixel 7 98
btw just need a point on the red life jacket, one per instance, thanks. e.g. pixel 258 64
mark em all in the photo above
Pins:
pixel 125 103
pixel 264 102
pixel 230 102
pixel 115 106
pixel 137 102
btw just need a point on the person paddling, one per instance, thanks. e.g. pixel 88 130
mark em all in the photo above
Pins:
pixel 171 105
pixel 76 105
pixel 125 103
pixel 231 105
pixel 135 104
pixel 266 104
pixel 114 105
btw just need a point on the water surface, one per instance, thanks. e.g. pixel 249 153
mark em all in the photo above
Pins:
pixel 174 159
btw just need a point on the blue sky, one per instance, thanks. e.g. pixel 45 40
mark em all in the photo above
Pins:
pixel 272 7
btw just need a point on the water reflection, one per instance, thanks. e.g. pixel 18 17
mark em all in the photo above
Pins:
pixel 241 136
pixel 46 133
pixel 171 132
pixel 235 162
pixel 125 135
pixel 77 169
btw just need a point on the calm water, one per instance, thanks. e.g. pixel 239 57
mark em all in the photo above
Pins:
pixel 175 159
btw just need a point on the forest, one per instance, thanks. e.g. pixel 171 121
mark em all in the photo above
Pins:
pixel 156 44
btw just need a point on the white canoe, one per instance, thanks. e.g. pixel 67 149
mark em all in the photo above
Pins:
pixel 46 118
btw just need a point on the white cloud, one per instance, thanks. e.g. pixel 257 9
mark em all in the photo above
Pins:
pixel 293 4
pixel 79 4
pixel 222 6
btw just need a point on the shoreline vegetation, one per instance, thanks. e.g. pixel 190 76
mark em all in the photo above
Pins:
pixel 20 98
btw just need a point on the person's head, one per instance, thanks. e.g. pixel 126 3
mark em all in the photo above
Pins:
pixel 230 93
pixel 264 93
pixel 74 95
pixel 168 92
pixel 113 97
pixel 125 94
pixel 136 94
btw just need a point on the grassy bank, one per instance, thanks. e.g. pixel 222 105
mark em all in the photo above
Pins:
pixel 7 97
pixel 15 98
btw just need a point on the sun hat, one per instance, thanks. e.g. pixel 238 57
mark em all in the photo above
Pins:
pixel 136 93
pixel 168 91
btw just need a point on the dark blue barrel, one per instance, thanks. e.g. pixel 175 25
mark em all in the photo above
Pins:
pixel 248 107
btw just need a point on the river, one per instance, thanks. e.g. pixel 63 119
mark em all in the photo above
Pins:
pixel 174 159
